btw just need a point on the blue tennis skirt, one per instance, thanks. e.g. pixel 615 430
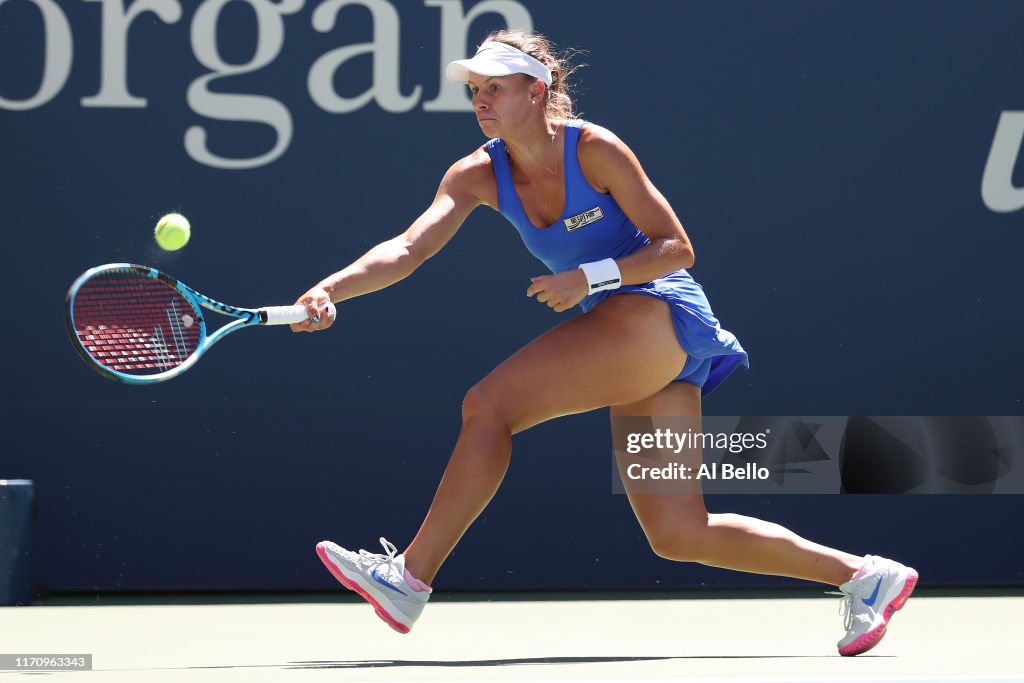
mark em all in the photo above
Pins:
pixel 712 352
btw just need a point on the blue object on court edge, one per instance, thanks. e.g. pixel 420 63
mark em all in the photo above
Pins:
pixel 593 227
pixel 15 541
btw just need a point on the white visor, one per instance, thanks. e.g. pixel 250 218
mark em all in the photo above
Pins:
pixel 497 59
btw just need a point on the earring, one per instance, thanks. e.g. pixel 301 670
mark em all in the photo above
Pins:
pixel 533 102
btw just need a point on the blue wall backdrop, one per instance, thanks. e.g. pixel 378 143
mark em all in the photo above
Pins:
pixel 848 173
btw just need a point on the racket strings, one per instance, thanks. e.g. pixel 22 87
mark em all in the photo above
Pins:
pixel 135 324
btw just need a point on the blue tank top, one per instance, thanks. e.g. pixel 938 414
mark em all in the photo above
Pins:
pixel 592 227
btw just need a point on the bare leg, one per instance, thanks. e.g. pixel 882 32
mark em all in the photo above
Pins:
pixel 679 527
pixel 475 470
pixel 589 362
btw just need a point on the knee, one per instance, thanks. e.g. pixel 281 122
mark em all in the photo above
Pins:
pixel 480 405
pixel 681 540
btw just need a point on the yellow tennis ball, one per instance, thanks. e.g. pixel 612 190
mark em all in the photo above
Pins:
pixel 172 232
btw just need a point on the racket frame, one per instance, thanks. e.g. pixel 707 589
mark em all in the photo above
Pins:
pixel 246 317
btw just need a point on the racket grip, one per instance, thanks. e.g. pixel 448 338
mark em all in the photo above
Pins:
pixel 289 315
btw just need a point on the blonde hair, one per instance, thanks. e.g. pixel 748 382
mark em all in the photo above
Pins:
pixel 558 100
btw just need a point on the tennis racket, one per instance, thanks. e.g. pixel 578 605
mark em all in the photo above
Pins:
pixel 137 325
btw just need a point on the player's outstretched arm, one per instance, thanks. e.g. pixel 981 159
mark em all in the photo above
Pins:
pixel 397 258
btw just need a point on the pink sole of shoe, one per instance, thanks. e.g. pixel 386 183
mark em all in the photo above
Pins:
pixel 872 638
pixel 354 587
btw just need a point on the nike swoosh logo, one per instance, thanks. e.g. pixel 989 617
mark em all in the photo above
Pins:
pixel 867 601
pixel 382 581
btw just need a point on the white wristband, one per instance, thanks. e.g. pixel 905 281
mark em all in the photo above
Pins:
pixel 602 275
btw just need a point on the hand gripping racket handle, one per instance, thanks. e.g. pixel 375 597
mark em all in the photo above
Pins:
pixel 289 315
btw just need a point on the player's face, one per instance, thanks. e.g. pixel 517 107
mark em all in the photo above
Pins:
pixel 501 103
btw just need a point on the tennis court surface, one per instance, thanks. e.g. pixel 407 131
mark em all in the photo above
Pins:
pixel 778 636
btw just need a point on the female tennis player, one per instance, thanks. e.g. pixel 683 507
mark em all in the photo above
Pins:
pixel 647 343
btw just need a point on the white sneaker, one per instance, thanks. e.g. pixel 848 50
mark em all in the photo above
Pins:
pixel 871 600
pixel 379 579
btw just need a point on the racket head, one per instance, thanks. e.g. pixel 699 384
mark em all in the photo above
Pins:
pixel 133 323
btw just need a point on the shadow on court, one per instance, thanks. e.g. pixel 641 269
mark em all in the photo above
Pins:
pixel 526 660
pixel 517 661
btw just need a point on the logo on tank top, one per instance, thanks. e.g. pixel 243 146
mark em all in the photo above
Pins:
pixel 581 219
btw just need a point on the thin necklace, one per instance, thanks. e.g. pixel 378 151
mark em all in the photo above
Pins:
pixel 554 151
